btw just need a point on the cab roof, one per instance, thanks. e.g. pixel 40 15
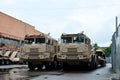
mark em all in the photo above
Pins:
pixel 71 35
pixel 40 35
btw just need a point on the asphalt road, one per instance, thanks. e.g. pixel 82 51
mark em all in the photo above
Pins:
pixel 21 72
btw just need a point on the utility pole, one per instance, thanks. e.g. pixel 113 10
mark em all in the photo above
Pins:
pixel 116 22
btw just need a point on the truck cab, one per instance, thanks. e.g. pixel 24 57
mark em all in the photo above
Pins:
pixel 39 50
pixel 101 57
pixel 76 49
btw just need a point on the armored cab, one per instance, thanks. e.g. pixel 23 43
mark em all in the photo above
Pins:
pixel 39 50
pixel 101 57
pixel 76 49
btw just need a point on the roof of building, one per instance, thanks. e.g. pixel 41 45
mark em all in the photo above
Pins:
pixel 13 28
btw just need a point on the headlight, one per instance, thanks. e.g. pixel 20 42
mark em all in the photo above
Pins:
pixel 63 56
pixel 41 56
pixel 46 55
pixel 80 57
pixel 26 56
pixel 99 57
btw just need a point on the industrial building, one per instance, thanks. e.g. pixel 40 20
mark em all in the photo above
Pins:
pixel 13 31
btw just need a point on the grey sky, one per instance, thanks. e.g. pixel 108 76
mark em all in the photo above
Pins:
pixel 95 17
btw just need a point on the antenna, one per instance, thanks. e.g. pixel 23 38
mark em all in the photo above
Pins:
pixel 49 34
pixel 82 32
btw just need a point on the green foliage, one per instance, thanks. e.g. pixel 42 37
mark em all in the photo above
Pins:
pixel 95 46
pixel 107 51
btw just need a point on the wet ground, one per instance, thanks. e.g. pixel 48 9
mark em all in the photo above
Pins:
pixel 21 72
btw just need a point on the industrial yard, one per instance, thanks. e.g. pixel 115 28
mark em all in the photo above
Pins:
pixel 59 40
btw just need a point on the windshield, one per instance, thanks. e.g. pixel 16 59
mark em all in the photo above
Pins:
pixel 40 40
pixel 31 40
pixel 66 39
pixel 75 39
pixel 78 39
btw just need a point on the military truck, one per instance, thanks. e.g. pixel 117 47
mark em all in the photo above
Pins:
pixel 8 57
pixel 76 49
pixel 38 51
pixel 8 54
pixel 101 57
pixel 14 58
pixel 4 60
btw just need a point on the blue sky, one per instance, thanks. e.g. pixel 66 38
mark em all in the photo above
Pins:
pixel 95 17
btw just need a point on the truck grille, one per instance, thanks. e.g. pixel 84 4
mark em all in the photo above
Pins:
pixel 72 54
pixel 33 56
pixel 33 49
pixel 72 49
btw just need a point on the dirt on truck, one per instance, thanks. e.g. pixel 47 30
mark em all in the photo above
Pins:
pixel 38 51
pixel 76 49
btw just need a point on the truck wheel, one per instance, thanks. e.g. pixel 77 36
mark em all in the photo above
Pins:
pixel 48 67
pixel 3 62
pixel 103 64
pixel 39 67
pixel 0 61
pixel 55 63
pixel 93 64
pixel 31 66
pixel 96 62
pixel 6 62
pixel 65 66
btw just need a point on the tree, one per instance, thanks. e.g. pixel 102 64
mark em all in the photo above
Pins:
pixel 95 46
pixel 107 51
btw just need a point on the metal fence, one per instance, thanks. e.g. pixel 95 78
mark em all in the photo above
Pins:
pixel 115 50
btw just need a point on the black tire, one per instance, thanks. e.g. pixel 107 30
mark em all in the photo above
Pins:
pixel 31 66
pixel 93 64
pixel 3 62
pixel 48 67
pixel 65 66
pixel 0 61
pixel 103 64
pixel 39 67
pixel 6 62
pixel 55 63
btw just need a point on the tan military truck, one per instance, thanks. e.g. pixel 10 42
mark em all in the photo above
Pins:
pixel 14 58
pixel 76 49
pixel 4 60
pixel 101 57
pixel 39 50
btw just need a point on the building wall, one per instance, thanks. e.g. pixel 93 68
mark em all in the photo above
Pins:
pixel 13 31
pixel 15 28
